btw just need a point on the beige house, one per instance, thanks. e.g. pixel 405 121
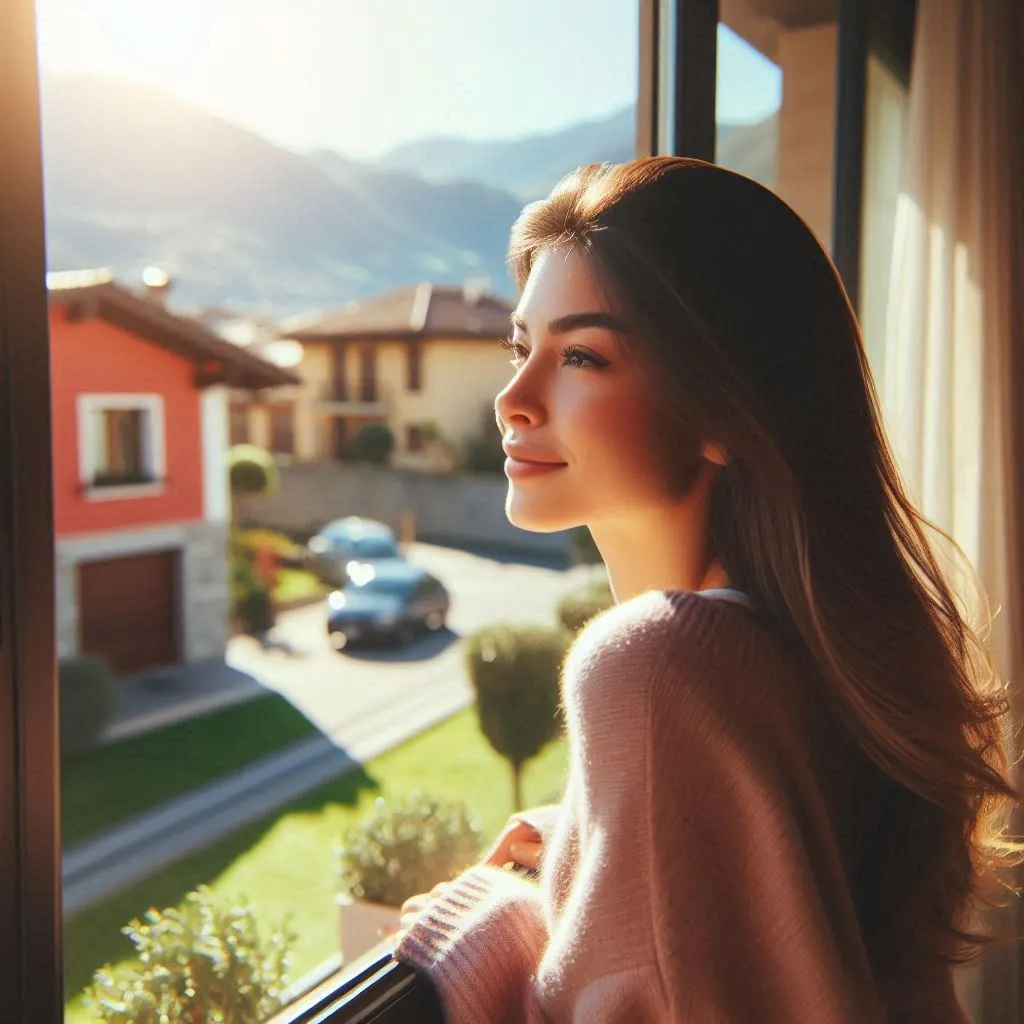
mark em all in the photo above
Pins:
pixel 423 360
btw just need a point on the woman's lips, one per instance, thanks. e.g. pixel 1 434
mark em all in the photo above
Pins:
pixel 518 469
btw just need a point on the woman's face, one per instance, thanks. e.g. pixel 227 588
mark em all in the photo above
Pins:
pixel 578 419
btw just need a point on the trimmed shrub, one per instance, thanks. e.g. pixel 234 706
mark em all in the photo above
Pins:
pixel 374 443
pixel 251 470
pixel 88 696
pixel 204 963
pixel 515 672
pixel 575 610
pixel 406 847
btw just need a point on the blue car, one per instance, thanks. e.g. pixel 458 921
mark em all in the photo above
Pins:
pixel 346 541
pixel 390 600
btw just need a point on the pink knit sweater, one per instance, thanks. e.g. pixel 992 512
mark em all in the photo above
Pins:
pixel 694 873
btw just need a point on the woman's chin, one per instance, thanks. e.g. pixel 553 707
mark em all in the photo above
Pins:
pixel 535 516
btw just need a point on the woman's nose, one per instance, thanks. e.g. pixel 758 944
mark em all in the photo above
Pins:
pixel 519 402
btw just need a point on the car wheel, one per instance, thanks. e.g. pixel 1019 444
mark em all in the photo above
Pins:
pixel 435 620
pixel 339 641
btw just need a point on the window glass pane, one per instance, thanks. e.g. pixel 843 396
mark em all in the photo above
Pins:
pixel 884 139
pixel 283 224
pixel 776 100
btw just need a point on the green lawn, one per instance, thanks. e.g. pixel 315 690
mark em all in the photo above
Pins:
pixel 285 864
pixel 122 779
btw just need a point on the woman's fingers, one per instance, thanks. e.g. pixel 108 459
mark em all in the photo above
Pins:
pixel 526 852
pixel 515 832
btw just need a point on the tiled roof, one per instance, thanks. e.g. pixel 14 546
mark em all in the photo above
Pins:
pixel 96 293
pixel 424 310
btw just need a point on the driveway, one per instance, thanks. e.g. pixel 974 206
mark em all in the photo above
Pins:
pixel 373 685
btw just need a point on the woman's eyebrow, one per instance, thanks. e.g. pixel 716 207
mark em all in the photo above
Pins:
pixel 576 322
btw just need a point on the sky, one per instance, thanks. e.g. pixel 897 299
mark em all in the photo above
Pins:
pixel 362 76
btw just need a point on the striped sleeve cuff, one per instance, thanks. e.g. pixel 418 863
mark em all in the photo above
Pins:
pixel 480 941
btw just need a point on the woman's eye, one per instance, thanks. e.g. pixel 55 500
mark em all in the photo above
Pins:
pixel 578 357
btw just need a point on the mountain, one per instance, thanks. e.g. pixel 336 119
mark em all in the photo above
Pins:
pixel 526 167
pixel 135 178
pixel 530 166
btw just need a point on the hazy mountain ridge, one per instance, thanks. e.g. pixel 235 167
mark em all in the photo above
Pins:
pixel 134 177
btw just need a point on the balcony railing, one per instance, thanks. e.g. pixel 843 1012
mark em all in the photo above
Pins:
pixel 354 400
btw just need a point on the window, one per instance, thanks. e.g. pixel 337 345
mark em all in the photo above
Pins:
pixel 776 100
pixel 29 902
pixel 414 377
pixel 282 429
pixel 121 445
pixel 266 232
pixel 239 423
pixel 368 373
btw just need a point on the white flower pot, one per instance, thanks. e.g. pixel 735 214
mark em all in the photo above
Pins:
pixel 364 925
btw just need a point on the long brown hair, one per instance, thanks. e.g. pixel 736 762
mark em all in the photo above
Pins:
pixel 751 343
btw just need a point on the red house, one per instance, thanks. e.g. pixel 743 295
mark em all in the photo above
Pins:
pixel 140 440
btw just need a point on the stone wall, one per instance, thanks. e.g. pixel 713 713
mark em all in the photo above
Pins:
pixel 464 511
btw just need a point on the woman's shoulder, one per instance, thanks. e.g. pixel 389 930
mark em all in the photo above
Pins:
pixel 678 645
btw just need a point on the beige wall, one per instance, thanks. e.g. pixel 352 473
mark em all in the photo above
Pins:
pixel 459 381
pixel 807 58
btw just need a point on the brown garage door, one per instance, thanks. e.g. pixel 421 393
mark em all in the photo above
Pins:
pixel 128 610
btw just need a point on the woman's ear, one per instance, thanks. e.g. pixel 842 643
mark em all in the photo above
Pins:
pixel 713 453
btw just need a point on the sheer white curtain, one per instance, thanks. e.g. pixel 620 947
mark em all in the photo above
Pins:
pixel 951 382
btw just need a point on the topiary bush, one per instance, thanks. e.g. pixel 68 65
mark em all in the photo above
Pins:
pixel 203 963
pixel 405 847
pixel 515 672
pixel 88 697
pixel 251 470
pixel 374 443
pixel 575 610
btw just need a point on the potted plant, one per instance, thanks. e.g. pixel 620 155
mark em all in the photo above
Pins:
pixel 405 847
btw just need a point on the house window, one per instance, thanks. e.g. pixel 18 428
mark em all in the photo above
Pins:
pixel 282 430
pixel 368 374
pixel 239 427
pixel 414 366
pixel 415 438
pixel 121 445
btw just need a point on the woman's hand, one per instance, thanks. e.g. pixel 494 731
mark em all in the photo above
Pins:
pixel 518 842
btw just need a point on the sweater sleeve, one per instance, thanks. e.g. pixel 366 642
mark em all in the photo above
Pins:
pixel 480 942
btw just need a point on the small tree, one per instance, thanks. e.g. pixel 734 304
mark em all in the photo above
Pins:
pixel 515 673
pixel 204 963
pixel 252 472
pixel 374 443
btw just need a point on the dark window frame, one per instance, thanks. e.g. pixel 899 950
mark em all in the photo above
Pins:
pixel 676 114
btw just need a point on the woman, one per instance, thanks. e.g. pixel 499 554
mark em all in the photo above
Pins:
pixel 787 773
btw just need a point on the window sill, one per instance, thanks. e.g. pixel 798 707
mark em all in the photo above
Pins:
pixel 373 990
pixel 119 492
